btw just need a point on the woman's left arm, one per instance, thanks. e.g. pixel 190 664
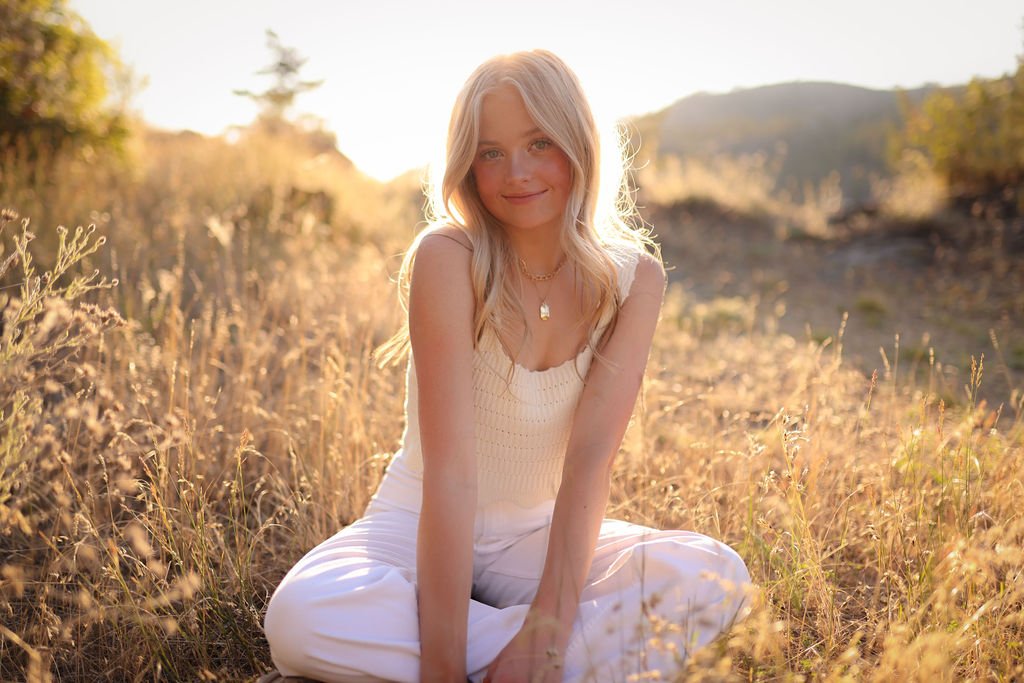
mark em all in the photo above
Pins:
pixel 599 424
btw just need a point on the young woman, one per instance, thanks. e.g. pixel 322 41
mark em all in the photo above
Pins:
pixel 531 308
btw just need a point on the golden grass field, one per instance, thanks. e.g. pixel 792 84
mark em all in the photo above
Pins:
pixel 170 443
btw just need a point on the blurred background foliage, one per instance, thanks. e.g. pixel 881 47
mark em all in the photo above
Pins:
pixel 973 138
pixel 60 85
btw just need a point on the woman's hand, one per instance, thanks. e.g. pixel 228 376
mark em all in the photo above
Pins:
pixel 534 655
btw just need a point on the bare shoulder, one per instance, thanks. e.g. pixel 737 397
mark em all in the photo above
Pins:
pixel 447 233
pixel 445 250
pixel 649 277
pixel 440 285
pixel 440 315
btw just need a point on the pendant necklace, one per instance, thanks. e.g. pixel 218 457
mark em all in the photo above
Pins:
pixel 545 309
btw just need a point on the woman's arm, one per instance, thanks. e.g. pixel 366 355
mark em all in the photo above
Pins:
pixel 599 424
pixel 441 334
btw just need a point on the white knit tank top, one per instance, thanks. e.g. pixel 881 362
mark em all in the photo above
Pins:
pixel 522 426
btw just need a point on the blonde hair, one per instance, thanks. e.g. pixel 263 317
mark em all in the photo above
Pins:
pixel 600 215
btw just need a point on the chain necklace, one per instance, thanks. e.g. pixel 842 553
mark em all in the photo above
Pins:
pixel 545 309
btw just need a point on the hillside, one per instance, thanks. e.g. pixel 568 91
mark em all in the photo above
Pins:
pixel 808 128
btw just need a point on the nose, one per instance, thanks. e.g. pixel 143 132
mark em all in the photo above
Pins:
pixel 519 167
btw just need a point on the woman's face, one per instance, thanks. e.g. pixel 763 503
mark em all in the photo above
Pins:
pixel 522 177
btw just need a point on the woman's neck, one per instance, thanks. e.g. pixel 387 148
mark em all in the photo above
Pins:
pixel 540 249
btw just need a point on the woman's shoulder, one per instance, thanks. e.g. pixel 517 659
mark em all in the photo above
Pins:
pixel 445 232
pixel 635 264
pixel 444 250
pixel 441 263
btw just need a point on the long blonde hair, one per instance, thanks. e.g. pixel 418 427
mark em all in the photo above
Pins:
pixel 600 213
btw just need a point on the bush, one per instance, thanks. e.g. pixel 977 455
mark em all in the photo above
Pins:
pixel 974 140
pixel 54 79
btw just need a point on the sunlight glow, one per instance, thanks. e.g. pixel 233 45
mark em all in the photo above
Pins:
pixel 391 69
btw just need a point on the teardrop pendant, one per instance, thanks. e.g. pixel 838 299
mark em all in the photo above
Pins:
pixel 545 310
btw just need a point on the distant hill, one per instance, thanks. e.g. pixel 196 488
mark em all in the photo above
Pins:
pixel 820 126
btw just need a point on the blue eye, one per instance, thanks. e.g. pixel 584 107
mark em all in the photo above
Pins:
pixel 490 154
pixel 542 144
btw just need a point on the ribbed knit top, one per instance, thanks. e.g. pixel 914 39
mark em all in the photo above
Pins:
pixel 522 423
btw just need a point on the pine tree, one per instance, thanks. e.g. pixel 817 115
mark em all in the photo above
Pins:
pixel 276 100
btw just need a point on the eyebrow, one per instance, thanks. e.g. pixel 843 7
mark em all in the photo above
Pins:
pixel 532 131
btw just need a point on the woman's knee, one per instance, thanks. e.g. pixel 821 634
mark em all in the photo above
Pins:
pixel 730 565
pixel 328 616
pixel 734 580
pixel 718 570
pixel 287 622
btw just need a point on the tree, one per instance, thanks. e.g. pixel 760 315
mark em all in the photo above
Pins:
pixel 275 101
pixel 54 77
pixel 975 139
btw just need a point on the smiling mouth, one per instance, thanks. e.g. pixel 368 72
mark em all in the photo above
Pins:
pixel 523 197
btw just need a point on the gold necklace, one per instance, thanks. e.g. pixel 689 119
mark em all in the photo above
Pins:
pixel 545 309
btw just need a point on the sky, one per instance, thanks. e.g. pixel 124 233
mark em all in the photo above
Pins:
pixel 391 69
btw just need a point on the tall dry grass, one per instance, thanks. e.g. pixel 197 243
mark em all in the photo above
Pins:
pixel 171 444
pixel 748 185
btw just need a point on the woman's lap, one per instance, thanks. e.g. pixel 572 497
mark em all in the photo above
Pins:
pixel 691 584
pixel 349 606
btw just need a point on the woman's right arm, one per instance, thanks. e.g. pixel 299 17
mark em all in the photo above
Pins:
pixel 441 333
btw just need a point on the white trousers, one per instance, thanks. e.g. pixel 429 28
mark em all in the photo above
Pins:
pixel 347 610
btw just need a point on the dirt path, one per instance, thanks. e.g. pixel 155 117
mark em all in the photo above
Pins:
pixel 935 286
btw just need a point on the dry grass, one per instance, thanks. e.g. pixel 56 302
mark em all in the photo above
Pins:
pixel 169 446
pixel 914 192
pixel 746 185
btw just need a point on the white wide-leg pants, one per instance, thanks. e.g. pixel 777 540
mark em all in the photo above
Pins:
pixel 347 610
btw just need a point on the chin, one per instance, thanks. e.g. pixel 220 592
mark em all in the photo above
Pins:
pixel 534 224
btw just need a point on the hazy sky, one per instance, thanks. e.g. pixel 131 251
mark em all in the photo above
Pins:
pixel 391 69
